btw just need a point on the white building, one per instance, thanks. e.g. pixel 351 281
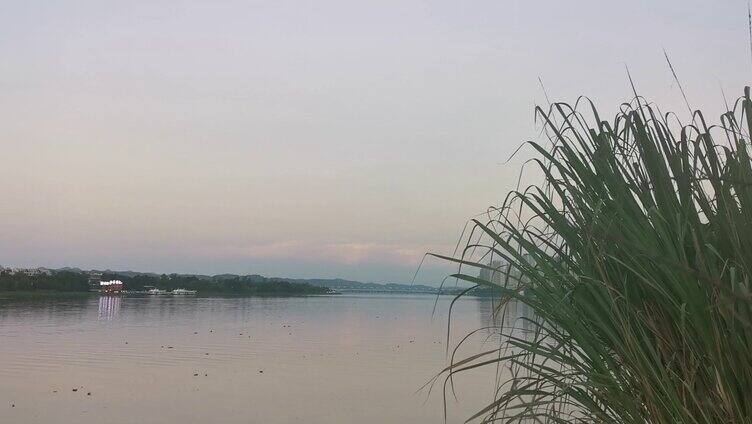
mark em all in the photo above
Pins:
pixel 494 276
pixel 501 275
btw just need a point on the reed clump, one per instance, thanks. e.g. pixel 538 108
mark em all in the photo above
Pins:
pixel 635 254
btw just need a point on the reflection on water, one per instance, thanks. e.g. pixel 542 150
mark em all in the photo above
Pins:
pixel 109 307
pixel 234 360
pixel 513 318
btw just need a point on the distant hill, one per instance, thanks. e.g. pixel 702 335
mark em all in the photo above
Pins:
pixel 356 286
pixel 337 284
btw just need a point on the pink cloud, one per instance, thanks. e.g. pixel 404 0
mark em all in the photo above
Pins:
pixel 344 253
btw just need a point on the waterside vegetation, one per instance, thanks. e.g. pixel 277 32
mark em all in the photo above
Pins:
pixel 635 253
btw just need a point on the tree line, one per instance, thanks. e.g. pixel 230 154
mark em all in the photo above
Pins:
pixel 69 281
pixel 64 281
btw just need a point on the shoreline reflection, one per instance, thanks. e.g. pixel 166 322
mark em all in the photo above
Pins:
pixel 109 307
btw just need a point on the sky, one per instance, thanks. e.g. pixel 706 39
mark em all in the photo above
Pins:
pixel 309 139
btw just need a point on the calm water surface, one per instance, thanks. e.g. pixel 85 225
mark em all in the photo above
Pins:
pixel 332 359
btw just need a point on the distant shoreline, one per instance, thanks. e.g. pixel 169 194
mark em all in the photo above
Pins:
pixel 53 294
pixel 76 279
pixel 74 282
pixel 84 294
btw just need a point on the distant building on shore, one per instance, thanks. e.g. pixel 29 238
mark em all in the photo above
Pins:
pixel 495 276
pixel 501 275
pixel 114 286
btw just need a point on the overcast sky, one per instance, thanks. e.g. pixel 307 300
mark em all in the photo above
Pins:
pixel 307 139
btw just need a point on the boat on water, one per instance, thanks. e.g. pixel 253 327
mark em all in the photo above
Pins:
pixel 156 291
pixel 183 291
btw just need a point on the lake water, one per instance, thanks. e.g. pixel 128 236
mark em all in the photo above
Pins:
pixel 330 359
